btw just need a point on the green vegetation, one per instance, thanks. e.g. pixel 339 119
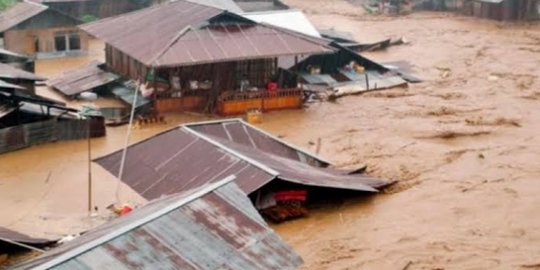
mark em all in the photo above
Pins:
pixel 4 4
pixel 88 18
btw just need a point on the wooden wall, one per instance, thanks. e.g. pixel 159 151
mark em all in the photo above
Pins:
pixel 22 41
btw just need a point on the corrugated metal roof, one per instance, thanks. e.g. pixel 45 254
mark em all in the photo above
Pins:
pixel 490 1
pixel 184 33
pixel 82 78
pixel 13 236
pixel 9 72
pixel 246 134
pixel 10 85
pixel 19 13
pixel 228 5
pixel 212 227
pixel 291 19
pixel 7 53
pixel 183 158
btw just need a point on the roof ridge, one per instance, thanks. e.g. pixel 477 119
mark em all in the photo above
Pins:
pixel 34 3
pixel 233 152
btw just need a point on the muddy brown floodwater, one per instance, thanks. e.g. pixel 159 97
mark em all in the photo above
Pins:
pixel 465 149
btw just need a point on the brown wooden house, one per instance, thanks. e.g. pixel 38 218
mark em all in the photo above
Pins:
pixel 199 58
pixel 36 30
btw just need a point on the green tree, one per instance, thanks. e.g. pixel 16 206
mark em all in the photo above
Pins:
pixel 4 4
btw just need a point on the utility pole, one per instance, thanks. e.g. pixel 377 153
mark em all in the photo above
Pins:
pixel 89 166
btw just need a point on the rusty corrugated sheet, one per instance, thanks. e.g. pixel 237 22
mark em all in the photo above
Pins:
pixel 9 72
pixel 213 227
pixel 177 160
pixel 243 133
pixel 184 33
pixel 18 237
pixel 81 79
pixel 183 158
pixel 19 13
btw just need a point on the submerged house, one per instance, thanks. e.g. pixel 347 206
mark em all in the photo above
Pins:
pixel 193 57
pixel 195 154
pixel 211 227
pixel 503 10
pixel 34 29
pixel 93 9
pixel 28 119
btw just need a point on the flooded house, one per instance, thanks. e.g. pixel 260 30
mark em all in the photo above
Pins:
pixel 28 119
pixel 89 10
pixel 210 227
pixel 279 178
pixel 503 10
pixel 34 29
pixel 209 60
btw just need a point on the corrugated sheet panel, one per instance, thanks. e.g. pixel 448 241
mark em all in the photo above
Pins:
pixel 301 173
pixel 10 85
pixel 178 33
pixel 228 5
pixel 289 19
pixel 176 161
pixel 84 78
pixel 243 133
pixel 182 159
pixel 217 230
pixel 19 13
pixel 9 72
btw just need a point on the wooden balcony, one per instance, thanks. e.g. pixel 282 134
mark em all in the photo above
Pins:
pixel 232 102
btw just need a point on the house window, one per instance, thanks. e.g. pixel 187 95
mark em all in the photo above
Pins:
pixel 67 42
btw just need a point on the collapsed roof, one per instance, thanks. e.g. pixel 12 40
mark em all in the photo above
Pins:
pixel 212 227
pixel 192 155
pixel 81 79
pixel 184 33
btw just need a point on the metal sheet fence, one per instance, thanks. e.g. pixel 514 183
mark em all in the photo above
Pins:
pixel 21 136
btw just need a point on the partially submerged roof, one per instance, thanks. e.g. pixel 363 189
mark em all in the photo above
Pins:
pixel 81 79
pixel 13 237
pixel 184 33
pixel 186 157
pixel 212 227
pixel 9 72
pixel 291 19
pixel 19 13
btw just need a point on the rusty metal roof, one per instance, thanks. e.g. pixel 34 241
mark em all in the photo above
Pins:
pixel 9 72
pixel 246 134
pixel 13 236
pixel 185 33
pixel 82 78
pixel 184 158
pixel 212 227
pixel 19 13
pixel 228 5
